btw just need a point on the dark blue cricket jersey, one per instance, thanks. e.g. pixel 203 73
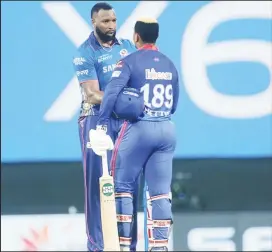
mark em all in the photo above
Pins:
pixel 94 62
pixel 151 72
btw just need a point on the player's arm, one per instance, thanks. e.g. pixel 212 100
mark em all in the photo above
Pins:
pixel 119 80
pixel 175 92
pixel 92 92
pixel 87 77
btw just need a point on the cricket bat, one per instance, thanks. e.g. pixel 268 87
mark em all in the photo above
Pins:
pixel 108 209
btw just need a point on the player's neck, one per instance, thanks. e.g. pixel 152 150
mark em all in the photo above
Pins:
pixel 141 44
pixel 106 44
pixel 147 44
pixel 150 46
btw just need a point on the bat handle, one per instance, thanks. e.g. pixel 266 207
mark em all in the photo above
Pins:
pixel 105 164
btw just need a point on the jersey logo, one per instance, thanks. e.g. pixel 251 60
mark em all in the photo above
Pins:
pixel 119 64
pixel 116 74
pixel 104 57
pixel 124 52
pixel 108 68
pixel 79 61
pixel 83 72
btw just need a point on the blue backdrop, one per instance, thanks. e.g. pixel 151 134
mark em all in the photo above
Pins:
pixel 221 52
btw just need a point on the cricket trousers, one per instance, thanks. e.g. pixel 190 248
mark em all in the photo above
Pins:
pixel 144 147
pixel 92 167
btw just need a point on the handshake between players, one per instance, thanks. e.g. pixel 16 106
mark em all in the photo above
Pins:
pixel 144 91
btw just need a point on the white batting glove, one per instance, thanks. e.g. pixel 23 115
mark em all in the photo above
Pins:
pixel 99 141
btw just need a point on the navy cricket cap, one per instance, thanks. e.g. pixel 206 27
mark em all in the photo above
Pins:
pixel 129 104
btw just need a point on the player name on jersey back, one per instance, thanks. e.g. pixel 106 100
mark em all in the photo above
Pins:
pixel 151 74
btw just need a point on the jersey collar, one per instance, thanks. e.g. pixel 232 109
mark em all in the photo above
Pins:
pixel 96 45
pixel 149 47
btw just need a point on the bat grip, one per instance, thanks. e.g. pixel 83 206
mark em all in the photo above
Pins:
pixel 105 164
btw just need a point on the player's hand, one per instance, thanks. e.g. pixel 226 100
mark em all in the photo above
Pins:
pixel 99 141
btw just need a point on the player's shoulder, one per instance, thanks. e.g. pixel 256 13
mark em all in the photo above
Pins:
pixel 126 42
pixel 84 52
pixel 86 47
pixel 129 58
pixel 167 59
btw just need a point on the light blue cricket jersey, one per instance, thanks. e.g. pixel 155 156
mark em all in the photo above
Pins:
pixel 94 62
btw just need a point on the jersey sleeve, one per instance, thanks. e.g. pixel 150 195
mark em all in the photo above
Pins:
pixel 84 66
pixel 175 86
pixel 119 80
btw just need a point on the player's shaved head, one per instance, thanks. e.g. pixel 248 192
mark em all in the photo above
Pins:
pixel 146 30
pixel 100 6
pixel 104 21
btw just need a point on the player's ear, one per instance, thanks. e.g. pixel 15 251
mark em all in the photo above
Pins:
pixel 136 38
pixel 93 22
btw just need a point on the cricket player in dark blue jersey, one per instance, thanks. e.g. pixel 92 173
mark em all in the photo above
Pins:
pixel 94 63
pixel 148 144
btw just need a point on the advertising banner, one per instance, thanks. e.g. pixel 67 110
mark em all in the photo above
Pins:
pixel 52 232
pixel 223 59
pixel 236 231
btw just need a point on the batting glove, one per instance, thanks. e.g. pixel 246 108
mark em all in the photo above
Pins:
pixel 99 140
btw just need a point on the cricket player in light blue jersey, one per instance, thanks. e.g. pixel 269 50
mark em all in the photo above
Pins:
pixel 94 62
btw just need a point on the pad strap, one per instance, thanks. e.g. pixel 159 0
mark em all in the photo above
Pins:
pixel 162 223
pixel 124 218
pixel 162 196
pixel 123 195
pixel 157 243
pixel 125 241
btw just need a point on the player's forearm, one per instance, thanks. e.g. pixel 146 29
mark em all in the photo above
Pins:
pixel 94 97
pixel 111 92
pixel 106 108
